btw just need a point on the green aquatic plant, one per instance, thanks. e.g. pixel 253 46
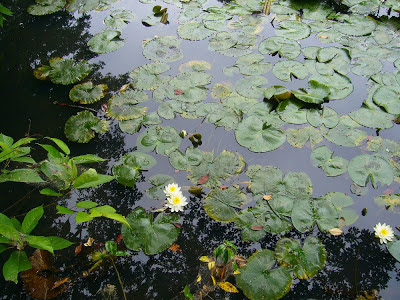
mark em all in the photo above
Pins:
pixel 4 11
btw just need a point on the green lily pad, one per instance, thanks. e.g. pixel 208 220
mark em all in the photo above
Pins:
pixel 340 85
pixel 305 261
pixel 332 165
pixel 162 49
pixel 299 137
pixel 149 76
pixel 189 11
pixel 388 97
pixel 159 182
pixel 285 47
pixel 194 31
pixel 366 66
pixel 385 148
pixel 180 161
pixel 251 64
pixel 106 41
pixel 390 202
pixel 222 41
pixel 291 111
pixel 363 168
pixel 168 109
pixel 150 235
pixel 329 117
pixel 163 139
pixel 127 169
pixel 221 204
pixel 257 136
pixel 259 281
pixel 394 249
pixel 45 7
pixel 134 125
pixel 373 117
pixel 63 71
pixel 218 115
pixel 119 18
pixel 286 70
pixel 345 133
pixel 123 106
pixel 331 60
pixel 82 127
pixel 191 86
pixel 251 86
pixel 86 93
pixel 354 25
pixel 294 30
pixel 317 92
pixel 341 200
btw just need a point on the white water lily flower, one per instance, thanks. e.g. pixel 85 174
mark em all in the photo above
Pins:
pixel 384 232
pixel 172 188
pixel 176 202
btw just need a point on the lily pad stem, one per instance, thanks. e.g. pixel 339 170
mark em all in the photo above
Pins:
pixel 267 7
pixel 119 278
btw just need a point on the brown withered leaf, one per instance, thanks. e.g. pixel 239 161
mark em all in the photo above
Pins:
pixel 222 187
pixel 78 249
pixel 203 179
pixel 335 231
pixel 240 261
pixel 323 36
pixel 177 225
pixel 178 92
pixel 175 247
pixel 104 107
pixel 41 281
pixel 257 227
pixel 267 197
pixel 89 242
pixel 119 238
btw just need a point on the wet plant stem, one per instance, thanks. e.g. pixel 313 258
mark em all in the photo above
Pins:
pixel 119 278
pixel 267 7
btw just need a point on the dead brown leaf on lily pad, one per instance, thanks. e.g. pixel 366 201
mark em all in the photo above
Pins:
pixel 203 179
pixel 41 282
pixel 257 227
pixel 178 92
pixel 267 197
pixel 335 231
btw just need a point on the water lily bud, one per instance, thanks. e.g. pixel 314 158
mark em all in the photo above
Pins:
pixel 183 133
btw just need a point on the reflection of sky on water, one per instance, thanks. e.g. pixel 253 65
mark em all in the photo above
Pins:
pixel 40 38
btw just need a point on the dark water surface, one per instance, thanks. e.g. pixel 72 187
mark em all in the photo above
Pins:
pixel 356 261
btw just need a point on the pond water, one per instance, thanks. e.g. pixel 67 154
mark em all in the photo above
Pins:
pixel 356 263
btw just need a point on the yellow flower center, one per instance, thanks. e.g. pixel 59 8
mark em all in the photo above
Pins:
pixel 172 189
pixel 384 231
pixel 176 200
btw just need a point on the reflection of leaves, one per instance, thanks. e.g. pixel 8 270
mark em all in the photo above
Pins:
pixel 151 235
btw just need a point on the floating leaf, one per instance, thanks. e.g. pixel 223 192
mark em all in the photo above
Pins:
pixel 329 117
pixel 287 69
pixel 228 287
pixel 134 125
pixel 251 64
pixel 194 31
pixel 82 127
pixel 149 76
pixel 106 41
pixel 390 202
pixel 127 169
pixel 45 7
pixel 162 49
pixel 285 47
pixel 345 133
pixel 340 85
pixel 354 25
pixel 159 182
pixel 331 60
pixel 151 235
pixel 220 204
pixel 332 165
pixel 394 249
pixel 291 111
pixel 163 139
pixel 341 200
pixel 258 136
pixel 372 117
pixel 389 98
pixel 123 106
pixel 299 137
pixel 119 18
pixel 305 261
pixel 294 30
pixel 363 168
pixel 258 281
pixel 366 66
pixel 86 93
pixel 335 231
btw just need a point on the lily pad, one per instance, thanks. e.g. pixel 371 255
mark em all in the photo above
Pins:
pixel 251 86
pixel 289 69
pixel 364 168
pixel 329 117
pixel 159 182
pixel 119 18
pixel 251 64
pixel 285 47
pixel 340 201
pixel 106 41
pixel 123 106
pixel 373 117
pixel 194 31
pixel 332 165
pixel 305 261
pixel 149 76
pixel 168 109
pixel 45 7
pixel 127 169
pixel 221 204
pixel 340 85
pixel 82 127
pixel 134 125
pixel 354 25
pixel 345 133
pixel 366 66
pixel 259 281
pixel 317 92
pixel 299 137
pixel 391 202
pixel 331 60
pixel 388 97
pixel 294 30
pixel 394 249
pixel 163 139
pixel 86 93
pixel 257 136
pixel 162 49
pixel 291 111
pixel 150 235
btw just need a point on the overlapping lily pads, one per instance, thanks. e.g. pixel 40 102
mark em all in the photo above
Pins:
pixel 332 165
pixel 119 18
pixel 149 76
pixel 106 41
pixel 162 139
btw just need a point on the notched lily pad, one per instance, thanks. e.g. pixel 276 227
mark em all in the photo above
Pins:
pixel 123 106
pixel 87 93
pixel 162 49
pixel 106 41
pixel 149 76
pixel 332 165
pixel 119 18
pixel 285 47
pixel 45 7
pixel 299 137
pixel 194 31
pixel 82 127
pixel 294 30
pixel 289 69
pixel 163 139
